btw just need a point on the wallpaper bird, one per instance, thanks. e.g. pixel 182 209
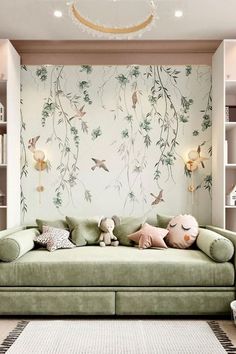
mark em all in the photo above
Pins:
pixel 32 143
pixel 99 164
pixel 79 113
pixel 158 198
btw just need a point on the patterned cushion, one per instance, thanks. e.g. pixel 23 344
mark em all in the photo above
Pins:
pixel 54 238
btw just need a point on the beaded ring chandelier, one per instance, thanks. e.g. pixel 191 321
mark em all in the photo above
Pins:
pixel 100 30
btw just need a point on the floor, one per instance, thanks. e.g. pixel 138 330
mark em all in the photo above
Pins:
pixel 229 328
pixel 7 325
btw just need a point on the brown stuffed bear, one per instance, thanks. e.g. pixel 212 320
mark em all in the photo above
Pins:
pixel 107 225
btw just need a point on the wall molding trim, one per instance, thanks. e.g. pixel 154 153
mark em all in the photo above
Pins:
pixel 36 52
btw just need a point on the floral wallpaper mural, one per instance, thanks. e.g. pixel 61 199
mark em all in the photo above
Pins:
pixel 116 140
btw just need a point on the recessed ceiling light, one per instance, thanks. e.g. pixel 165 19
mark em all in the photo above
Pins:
pixel 57 13
pixel 178 13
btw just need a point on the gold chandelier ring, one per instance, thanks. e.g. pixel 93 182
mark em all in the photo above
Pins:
pixel 111 30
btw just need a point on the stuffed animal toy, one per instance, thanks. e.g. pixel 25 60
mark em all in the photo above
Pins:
pixel 183 231
pixel 107 225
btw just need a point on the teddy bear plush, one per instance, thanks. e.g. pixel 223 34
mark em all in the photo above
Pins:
pixel 107 225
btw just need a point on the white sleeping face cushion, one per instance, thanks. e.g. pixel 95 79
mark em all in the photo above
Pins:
pixel 183 231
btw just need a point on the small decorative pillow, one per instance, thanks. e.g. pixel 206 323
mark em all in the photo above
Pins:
pixel 128 226
pixel 84 231
pixel 58 224
pixel 54 238
pixel 163 220
pixel 149 236
pixel 183 231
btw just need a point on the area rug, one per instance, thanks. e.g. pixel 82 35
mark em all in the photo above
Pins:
pixel 117 337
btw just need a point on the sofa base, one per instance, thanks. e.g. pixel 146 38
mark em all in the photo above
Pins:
pixel 174 303
pixel 116 301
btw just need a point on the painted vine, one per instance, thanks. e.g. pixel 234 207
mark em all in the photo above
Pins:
pixel 153 108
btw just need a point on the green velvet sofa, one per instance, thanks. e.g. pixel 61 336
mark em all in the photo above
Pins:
pixel 107 281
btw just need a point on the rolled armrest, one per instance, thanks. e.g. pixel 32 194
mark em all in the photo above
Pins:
pixel 15 245
pixel 230 235
pixel 226 233
pixel 216 246
pixel 7 232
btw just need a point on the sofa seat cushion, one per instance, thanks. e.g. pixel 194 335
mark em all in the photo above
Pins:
pixel 116 266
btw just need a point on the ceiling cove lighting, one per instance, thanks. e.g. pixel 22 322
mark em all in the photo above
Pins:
pixel 178 13
pixel 114 32
pixel 57 13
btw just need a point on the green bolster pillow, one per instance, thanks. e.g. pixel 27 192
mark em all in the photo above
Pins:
pixel 17 244
pixel 10 231
pixel 217 247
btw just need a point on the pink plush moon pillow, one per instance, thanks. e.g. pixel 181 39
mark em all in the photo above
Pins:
pixel 183 231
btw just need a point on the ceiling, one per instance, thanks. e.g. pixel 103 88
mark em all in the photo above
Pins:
pixel 202 19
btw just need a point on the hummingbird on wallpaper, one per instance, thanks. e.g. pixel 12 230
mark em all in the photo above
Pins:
pixel 32 143
pixel 79 113
pixel 99 164
pixel 158 198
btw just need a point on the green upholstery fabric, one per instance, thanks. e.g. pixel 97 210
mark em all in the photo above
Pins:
pixel 226 233
pixel 116 266
pixel 128 226
pixel 102 301
pixel 57 303
pixel 7 232
pixel 216 246
pixel 143 289
pixel 163 220
pixel 84 231
pixel 230 235
pixel 152 220
pixel 15 245
pixel 174 303
pixel 59 224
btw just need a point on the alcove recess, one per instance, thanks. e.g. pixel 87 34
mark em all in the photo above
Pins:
pixel 3 162
pixel 224 134
pixel 9 136
pixel 230 130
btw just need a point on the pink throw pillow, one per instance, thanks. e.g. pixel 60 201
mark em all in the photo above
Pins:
pixel 183 231
pixel 149 236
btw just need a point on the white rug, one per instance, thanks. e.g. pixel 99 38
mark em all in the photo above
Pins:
pixel 117 337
